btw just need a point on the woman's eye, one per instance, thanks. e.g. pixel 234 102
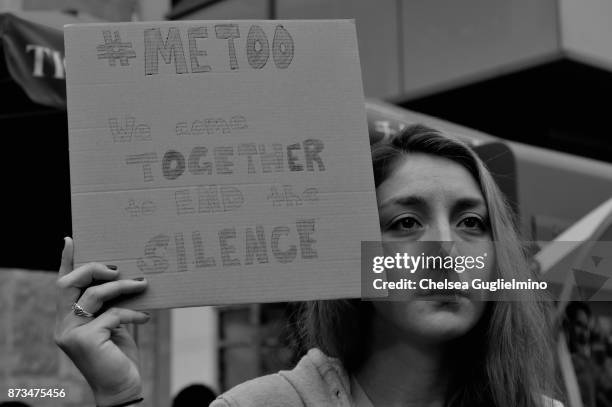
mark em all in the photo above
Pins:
pixel 472 223
pixel 406 224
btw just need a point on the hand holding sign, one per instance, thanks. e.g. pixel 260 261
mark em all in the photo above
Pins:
pixel 224 161
pixel 101 348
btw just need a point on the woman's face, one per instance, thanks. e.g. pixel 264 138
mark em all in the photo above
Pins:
pixel 433 199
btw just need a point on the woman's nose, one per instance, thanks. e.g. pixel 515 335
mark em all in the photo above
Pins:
pixel 440 232
pixel 441 241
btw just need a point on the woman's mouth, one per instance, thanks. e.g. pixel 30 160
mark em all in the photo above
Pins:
pixel 449 295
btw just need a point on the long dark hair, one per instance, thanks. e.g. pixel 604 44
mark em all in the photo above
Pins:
pixel 507 358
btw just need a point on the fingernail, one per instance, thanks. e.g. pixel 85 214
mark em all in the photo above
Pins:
pixel 146 313
pixel 138 279
pixel 111 267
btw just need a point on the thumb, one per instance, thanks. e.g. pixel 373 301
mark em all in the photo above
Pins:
pixel 67 263
pixel 65 295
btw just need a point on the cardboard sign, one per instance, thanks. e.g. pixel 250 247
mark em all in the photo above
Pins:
pixel 225 161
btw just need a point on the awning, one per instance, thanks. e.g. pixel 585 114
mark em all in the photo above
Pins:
pixel 32 48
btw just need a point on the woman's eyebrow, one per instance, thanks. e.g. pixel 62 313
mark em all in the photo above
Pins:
pixel 468 203
pixel 408 200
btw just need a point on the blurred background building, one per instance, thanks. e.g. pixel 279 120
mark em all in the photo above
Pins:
pixel 531 78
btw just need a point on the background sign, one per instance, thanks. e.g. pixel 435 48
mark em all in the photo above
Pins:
pixel 225 161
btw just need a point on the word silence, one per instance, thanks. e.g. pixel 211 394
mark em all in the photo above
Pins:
pixel 260 245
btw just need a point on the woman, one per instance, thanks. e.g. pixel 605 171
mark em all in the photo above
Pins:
pixel 434 348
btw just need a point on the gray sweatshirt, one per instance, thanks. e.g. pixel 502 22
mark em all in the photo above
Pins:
pixel 316 381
